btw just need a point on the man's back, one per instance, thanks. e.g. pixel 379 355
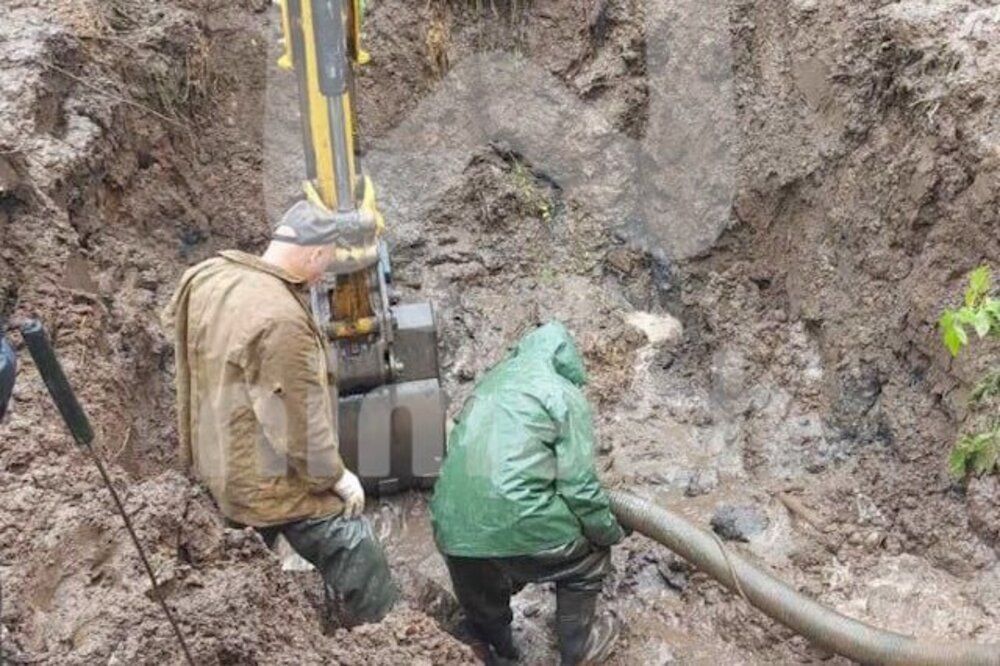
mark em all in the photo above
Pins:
pixel 497 493
pixel 518 477
pixel 255 414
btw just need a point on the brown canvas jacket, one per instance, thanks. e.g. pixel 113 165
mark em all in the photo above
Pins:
pixel 253 392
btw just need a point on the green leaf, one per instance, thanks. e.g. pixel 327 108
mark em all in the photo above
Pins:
pixel 992 308
pixel 952 333
pixel 982 322
pixel 981 451
pixel 983 440
pixel 957 462
pixel 988 387
pixel 963 337
pixel 966 315
pixel 980 281
pixel 984 461
pixel 977 451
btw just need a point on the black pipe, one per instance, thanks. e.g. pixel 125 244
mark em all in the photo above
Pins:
pixel 8 370
pixel 55 380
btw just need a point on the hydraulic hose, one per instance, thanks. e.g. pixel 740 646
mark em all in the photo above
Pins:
pixel 823 626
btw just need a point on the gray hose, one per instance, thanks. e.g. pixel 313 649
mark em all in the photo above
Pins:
pixel 823 626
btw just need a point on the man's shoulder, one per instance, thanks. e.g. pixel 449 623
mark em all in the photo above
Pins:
pixel 202 269
pixel 249 297
pixel 238 279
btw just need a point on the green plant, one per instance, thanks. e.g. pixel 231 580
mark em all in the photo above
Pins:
pixel 979 452
pixel 975 453
pixel 988 387
pixel 981 313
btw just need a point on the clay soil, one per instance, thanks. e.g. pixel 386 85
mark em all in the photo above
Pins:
pixel 750 213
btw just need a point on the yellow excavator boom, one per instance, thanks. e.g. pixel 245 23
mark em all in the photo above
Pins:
pixel 321 46
pixel 390 403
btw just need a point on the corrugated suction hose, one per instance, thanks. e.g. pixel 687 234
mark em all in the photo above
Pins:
pixel 823 626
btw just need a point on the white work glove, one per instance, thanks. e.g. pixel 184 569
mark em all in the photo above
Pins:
pixel 350 490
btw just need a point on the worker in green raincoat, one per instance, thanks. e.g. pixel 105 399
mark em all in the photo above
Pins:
pixel 519 501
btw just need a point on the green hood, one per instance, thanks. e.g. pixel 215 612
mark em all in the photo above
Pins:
pixel 553 343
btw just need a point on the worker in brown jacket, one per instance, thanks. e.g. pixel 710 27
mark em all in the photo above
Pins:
pixel 255 408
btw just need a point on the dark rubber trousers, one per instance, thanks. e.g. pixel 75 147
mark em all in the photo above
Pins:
pixel 8 371
pixel 350 559
pixel 484 587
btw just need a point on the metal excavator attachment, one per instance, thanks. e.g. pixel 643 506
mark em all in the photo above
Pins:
pixel 391 407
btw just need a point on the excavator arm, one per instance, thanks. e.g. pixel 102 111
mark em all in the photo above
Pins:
pixel 322 45
pixel 391 407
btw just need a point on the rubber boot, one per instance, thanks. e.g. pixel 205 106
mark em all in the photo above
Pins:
pixel 582 640
pixel 574 618
pixel 604 633
pixel 501 639
pixel 494 645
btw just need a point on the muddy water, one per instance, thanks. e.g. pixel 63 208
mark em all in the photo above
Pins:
pixel 404 527
pixel 669 620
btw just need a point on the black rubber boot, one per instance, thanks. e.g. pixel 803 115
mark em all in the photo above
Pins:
pixel 604 633
pixel 574 617
pixel 583 638
pixel 492 644
pixel 501 639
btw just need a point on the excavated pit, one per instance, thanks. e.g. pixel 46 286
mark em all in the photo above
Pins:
pixel 757 317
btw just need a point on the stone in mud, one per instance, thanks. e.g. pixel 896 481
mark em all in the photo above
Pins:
pixel 730 381
pixel 739 523
pixel 671 477
pixel 622 261
pixel 856 416
pixel 674 572
pixel 661 330
pixel 702 483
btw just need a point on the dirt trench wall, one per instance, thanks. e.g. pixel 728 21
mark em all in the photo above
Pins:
pixel 810 364
pixel 865 190
pixel 866 172
pixel 130 146
pixel 869 190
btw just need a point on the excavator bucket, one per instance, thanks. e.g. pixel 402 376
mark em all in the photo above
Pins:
pixel 392 432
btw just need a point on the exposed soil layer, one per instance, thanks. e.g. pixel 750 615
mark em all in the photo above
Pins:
pixel 775 350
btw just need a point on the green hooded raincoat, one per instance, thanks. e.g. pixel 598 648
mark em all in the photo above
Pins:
pixel 519 475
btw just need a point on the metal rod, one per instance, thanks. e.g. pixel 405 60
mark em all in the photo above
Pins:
pixel 38 344
pixel 142 556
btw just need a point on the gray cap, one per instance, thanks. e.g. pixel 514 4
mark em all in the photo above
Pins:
pixel 306 224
